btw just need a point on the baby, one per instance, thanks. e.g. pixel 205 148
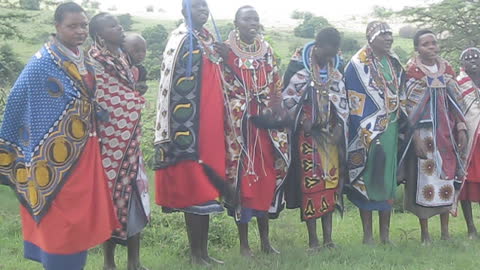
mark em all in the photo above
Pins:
pixel 135 47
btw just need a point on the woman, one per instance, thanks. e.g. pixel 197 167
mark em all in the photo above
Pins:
pixel 320 109
pixel 374 79
pixel 469 82
pixel 120 132
pixel 436 135
pixel 190 135
pixel 49 150
pixel 257 157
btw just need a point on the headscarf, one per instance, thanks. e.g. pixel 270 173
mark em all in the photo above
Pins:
pixel 376 28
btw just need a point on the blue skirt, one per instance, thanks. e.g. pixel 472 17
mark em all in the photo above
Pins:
pixel 50 261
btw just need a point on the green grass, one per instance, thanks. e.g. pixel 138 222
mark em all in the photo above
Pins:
pixel 164 244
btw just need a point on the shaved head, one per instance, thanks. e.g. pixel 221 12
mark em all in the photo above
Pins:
pixel 136 47
pixel 132 38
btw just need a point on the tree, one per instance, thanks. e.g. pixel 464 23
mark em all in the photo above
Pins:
pixel 310 26
pixel 297 15
pixel 457 23
pixel 9 19
pixel 150 8
pixel 30 4
pixel 126 21
pixel 156 37
pixel 10 65
pixel 8 24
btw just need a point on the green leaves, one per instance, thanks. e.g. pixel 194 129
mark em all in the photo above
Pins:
pixel 311 24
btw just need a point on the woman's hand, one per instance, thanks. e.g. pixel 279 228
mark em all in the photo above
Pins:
pixel 222 50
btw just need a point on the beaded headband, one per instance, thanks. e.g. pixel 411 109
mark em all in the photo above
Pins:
pixel 470 53
pixel 428 34
pixel 376 28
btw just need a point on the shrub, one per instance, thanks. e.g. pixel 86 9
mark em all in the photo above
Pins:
pixel 156 37
pixel 126 21
pixel 310 26
pixel 407 31
pixel 10 66
pixel 30 4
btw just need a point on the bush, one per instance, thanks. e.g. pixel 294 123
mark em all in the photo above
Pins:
pixel 152 64
pixel 126 21
pixel 30 4
pixel 156 37
pixel 350 45
pixel 310 26
pixel 407 31
pixel 10 66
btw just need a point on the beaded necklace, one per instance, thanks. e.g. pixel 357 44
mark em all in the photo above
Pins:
pixel 391 98
pixel 250 56
pixel 205 41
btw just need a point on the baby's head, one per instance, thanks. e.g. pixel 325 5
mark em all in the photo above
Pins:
pixel 136 47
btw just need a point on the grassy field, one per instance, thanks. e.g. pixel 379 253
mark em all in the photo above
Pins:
pixel 165 243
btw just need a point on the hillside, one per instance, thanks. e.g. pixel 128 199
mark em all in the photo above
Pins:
pixel 283 41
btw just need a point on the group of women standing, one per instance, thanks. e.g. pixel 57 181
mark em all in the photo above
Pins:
pixel 228 126
pixel 323 131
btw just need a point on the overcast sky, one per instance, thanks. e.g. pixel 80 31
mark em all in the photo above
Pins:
pixel 273 10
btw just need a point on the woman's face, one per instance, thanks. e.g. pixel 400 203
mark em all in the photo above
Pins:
pixel 324 52
pixel 200 13
pixel 470 63
pixel 72 31
pixel 428 48
pixel 248 24
pixel 111 31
